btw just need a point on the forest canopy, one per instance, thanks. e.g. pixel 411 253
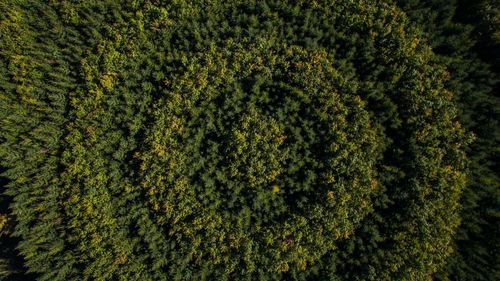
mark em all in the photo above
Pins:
pixel 245 140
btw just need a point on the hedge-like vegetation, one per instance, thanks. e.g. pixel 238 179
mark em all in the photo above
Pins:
pixel 227 140
pixel 464 36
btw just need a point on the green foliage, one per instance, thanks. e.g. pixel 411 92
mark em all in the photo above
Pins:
pixel 227 140
pixel 456 31
pixel 6 229
pixel 484 17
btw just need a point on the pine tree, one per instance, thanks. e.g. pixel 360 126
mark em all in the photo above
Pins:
pixel 451 28
pixel 215 140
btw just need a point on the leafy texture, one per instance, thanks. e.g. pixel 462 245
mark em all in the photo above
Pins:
pixel 227 140
pixel 453 31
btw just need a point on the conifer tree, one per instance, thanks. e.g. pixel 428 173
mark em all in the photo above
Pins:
pixel 227 140
pixel 462 34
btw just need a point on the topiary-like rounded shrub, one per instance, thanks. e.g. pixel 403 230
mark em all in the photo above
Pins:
pixel 226 140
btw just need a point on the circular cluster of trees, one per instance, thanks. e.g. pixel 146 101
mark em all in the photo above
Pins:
pixel 227 140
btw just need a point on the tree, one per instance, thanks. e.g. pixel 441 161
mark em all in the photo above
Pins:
pixel 457 32
pixel 215 140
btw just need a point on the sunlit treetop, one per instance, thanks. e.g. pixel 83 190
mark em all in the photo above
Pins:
pixel 214 140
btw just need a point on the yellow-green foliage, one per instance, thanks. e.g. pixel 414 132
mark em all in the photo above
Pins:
pixel 227 140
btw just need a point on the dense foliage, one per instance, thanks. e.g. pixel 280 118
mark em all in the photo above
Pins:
pixel 465 39
pixel 230 140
